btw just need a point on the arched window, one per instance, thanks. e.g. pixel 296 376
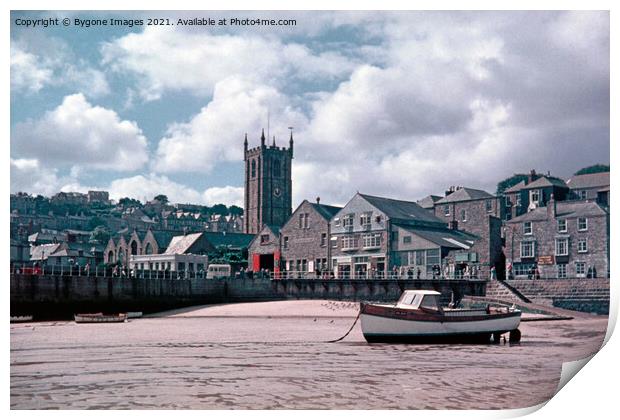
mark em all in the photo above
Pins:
pixel 148 249
pixel 276 168
pixel 253 168
pixel 121 255
pixel 111 257
pixel 134 248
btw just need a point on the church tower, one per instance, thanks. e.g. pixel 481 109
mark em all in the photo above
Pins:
pixel 268 184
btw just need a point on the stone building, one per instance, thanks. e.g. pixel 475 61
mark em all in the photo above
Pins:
pixel 479 213
pixel 592 187
pixel 124 244
pixel 305 238
pixel 102 197
pixel 364 235
pixel 428 202
pixel 264 251
pixel 535 192
pixel 268 185
pixel 565 239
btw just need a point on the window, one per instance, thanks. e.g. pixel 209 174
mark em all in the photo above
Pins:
pixel 527 228
pixel 518 200
pixel 464 215
pixel 561 271
pixel 433 257
pixel 337 221
pixel 406 239
pixel 253 168
pixel 489 206
pixel 582 245
pixel 562 225
pixel 583 194
pixel 323 239
pixel 527 249
pixel 303 221
pixel 264 239
pixel 365 219
pixel 580 269
pixel 349 242
pixel 583 223
pixel 446 210
pixel 535 196
pixel 276 168
pixel 334 241
pixel 372 240
pixel 285 242
pixel 420 257
pixel 347 221
pixel 561 247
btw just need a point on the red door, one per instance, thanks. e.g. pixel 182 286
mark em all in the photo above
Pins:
pixel 256 262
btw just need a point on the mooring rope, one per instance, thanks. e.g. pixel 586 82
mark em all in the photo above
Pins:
pixel 350 329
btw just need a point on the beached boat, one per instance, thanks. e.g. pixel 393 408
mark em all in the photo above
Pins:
pixel 418 317
pixel 99 317
pixel 21 318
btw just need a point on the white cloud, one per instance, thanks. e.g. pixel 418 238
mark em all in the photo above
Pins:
pixel 52 63
pixel 227 195
pixel 27 73
pixel 195 62
pixel 216 133
pixel 77 133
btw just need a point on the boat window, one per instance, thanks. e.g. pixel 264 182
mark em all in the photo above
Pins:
pixel 407 299
pixel 416 301
pixel 430 302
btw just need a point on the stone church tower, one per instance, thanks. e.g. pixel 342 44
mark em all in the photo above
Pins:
pixel 268 185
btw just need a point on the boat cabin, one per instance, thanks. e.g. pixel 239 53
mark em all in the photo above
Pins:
pixel 420 299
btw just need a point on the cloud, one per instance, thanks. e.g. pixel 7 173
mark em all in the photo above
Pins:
pixel 50 62
pixel 159 56
pixel 77 133
pixel 227 195
pixel 216 133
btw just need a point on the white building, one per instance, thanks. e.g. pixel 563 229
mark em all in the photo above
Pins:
pixel 170 262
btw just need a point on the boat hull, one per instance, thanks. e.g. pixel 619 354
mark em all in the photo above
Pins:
pixel 99 318
pixel 389 324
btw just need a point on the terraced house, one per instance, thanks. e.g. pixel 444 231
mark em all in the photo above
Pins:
pixel 565 239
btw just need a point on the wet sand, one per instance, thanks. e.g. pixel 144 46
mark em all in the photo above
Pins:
pixel 274 355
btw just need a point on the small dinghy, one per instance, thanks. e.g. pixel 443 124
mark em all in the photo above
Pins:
pixel 99 317
pixel 417 317
pixel 21 318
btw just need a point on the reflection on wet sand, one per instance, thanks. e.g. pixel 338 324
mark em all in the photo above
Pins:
pixel 274 355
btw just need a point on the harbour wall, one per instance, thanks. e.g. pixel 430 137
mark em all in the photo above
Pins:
pixel 56 296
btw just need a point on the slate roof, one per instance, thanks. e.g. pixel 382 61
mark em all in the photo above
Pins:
pixel 43 251
pixel 399 210
pixel 600 180
pixel 327 212
pixel 447 238
pixel 231 240
pixel 516 188
pixel 428 202
pixel 569 209
pixel 180 244
pixel 545 182
pixel 465 194
pixel 163 237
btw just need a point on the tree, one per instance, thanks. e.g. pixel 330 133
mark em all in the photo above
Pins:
pixel 235 210
pixel 594 169
pixel 129 202
pixel 510 182
pixel 162 198
pixel 95 222
pixel 100 235
pixel 220 209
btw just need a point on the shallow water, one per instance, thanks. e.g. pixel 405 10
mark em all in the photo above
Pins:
pixel 281 362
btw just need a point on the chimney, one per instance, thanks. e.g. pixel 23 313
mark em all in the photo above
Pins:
pixel 453 224
pixel 318 200
pixel 551 208
pixel 532 176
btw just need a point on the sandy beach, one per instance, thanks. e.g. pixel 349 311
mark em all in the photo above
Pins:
pixel 275 355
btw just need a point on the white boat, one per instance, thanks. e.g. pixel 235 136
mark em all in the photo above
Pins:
pixel 418 317
pixel 99 317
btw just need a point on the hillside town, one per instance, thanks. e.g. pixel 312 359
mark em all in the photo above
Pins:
pixel 539 227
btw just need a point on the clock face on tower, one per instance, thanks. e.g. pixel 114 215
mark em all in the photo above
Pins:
pixel 277 192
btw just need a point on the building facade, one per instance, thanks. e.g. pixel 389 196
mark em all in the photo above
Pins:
pixel 535 192
pixel 591 187
pixel 565 239
pixel 268 185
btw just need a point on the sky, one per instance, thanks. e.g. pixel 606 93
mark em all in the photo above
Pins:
pixel 397 104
